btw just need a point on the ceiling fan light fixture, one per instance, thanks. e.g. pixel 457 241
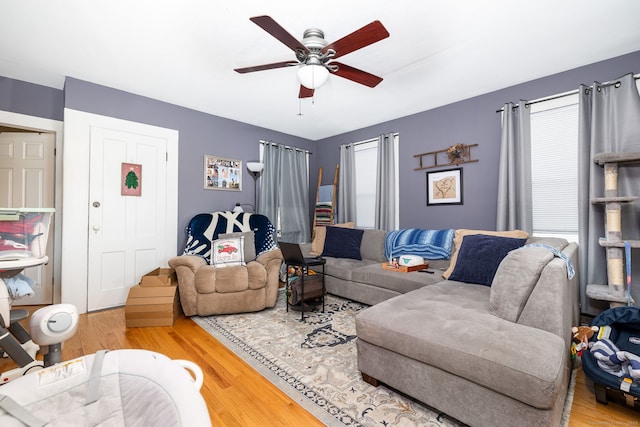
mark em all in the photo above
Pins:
pixel 313 76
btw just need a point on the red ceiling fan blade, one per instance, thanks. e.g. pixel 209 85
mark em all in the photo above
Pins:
pixel 305 92
pixel 358 76
pixel 265 67
pixel 369 34
pixel 272 27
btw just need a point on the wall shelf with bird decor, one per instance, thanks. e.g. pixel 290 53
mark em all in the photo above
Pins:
pixel 455 155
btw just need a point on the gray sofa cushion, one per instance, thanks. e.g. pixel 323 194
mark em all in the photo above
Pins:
pixel 372 246
pixel 514 281
pixel 553 304
pixel 400 282
pixel 555 242
pixel 343 268
pixel 447 325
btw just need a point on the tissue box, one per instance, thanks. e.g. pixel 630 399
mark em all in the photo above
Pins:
pixel 24 232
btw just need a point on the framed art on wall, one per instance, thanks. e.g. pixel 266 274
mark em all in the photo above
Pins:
pixel 444 187
pixel 221 173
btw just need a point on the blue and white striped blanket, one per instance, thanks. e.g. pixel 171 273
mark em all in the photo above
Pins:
pixel 429 244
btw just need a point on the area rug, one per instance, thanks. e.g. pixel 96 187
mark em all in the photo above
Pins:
pixel 315 363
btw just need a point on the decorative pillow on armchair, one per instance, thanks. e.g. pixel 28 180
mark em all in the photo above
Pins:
pixel 249 243
pixel 227 252
pixel 480 255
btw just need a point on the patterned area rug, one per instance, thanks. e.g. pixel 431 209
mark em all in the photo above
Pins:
pixel 314 362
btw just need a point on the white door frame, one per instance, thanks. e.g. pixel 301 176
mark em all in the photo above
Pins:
pixel 39 124
pixel 76 156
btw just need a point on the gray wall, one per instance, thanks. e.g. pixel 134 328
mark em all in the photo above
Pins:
pixel 200 134
pixel 471 121
pixel 32 100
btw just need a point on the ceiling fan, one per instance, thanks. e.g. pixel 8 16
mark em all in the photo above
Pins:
pixel 315 55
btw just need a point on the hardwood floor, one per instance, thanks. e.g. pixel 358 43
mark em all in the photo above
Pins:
pixel 239 396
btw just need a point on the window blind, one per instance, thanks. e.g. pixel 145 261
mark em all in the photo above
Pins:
pixel 554 167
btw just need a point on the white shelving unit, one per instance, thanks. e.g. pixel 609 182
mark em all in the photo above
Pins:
pixel 615 291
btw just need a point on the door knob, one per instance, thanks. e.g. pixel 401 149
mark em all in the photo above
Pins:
pixel 96 204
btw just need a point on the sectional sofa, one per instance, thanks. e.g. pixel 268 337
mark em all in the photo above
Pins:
pixel 486 355
pixel 364 279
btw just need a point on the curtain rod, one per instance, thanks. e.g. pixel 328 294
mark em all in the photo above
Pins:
pixel 288 147
pixel 562 95
pixel 366 141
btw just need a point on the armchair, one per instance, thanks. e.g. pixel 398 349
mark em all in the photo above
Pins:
pixel 206 289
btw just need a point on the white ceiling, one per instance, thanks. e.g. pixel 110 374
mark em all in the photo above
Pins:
pixel 184 52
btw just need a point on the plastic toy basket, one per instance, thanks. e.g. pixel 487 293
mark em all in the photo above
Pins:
pixel 24 233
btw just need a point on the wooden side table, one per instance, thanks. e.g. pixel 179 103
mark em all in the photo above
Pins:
pixel 304 269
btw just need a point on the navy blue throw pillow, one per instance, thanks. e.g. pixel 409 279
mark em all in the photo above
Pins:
pixel 343 243
pixel 480 255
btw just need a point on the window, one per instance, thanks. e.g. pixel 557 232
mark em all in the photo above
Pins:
pixel 366 158
pixel 554 167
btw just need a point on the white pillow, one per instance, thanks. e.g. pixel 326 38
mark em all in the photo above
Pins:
pixel 227 252
pixel 249 243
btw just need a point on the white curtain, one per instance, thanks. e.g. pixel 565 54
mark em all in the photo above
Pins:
pixel 609 121
pixel 514 209
pixel 385 218
pixel 347 185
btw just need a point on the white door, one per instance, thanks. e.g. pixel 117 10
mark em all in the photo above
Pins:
pixel 27 171
pixel 126 232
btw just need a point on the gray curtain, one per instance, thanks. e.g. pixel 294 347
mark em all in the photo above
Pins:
pixel 270 182
pixel 609 121
pixel 285 189
pixel 514 175
pixel 385 218
pixel 294 196
pixel 347 185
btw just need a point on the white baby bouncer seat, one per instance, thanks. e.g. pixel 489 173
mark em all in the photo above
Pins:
pixel 109 388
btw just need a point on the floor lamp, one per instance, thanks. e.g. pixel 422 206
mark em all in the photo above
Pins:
pixel 255 169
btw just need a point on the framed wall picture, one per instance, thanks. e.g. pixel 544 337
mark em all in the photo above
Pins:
pixel 444 187
pixel 221 173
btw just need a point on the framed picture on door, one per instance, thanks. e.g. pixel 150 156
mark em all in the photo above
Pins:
pixel 131 179
pixel 221 173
